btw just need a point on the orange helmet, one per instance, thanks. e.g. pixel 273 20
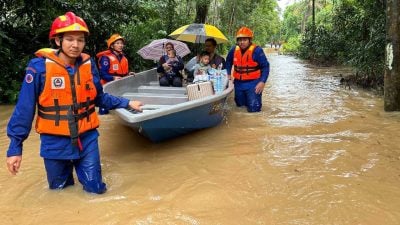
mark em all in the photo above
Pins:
pixel 67 22
pixel 113 39
pixel 244 32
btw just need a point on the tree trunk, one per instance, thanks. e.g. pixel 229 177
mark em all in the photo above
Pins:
pixel 170 22
pixel 231 19
pixel 306 15
pixel 392 65
pixel 202 10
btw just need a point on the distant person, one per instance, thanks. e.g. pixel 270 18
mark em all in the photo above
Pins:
pixel 170 74
pixel 64 85
pixel 251 70
pixel 113 64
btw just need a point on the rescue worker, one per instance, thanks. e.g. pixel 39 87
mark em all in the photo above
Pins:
pixel 113 63
pixel 250 70
pixel 65 86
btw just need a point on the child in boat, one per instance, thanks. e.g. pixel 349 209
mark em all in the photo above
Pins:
pixel 172 62
pixel 169 69
pixel 202 69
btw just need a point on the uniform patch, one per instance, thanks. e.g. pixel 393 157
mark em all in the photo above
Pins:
pixel 57 83
pixel 28 78
pixel 105 63
pixel 115 67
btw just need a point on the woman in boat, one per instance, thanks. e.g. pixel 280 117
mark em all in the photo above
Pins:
pixel 164 67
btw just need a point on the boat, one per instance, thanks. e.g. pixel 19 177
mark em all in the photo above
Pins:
pixel 169 112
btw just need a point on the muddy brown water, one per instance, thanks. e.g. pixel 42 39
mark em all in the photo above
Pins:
pixel 317 154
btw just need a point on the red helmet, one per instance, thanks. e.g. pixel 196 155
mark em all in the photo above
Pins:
pixel 113 39
pixel 244 32
pixel 67 22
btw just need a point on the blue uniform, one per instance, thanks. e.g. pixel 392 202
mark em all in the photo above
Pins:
pixel 59 154
pixel 245 90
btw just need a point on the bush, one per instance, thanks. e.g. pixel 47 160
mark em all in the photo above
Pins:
pixel 292 45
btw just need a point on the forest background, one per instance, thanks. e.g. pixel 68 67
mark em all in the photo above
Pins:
pixel 340 31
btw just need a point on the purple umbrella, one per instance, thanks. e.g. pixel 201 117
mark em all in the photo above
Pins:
pixel 156 49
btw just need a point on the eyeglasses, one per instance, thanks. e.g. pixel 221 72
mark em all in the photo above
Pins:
pixel 168 48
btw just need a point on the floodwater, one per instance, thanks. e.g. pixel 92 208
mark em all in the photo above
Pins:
pixel 317 154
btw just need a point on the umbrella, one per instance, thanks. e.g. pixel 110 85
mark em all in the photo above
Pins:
pixel 198 33
pixel 156 49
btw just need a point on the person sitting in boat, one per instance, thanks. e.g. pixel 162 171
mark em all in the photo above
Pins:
pixel 172 61
pixel 169 68
pixel 216 61
pixel 113 64
pixel 202 69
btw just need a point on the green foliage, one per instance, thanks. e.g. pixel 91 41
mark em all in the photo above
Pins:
pixel 292 19
pixel 265 22
pixel 25 25
pixel 321 47
pixel 351 32
pixel 292 45
pixel 361 28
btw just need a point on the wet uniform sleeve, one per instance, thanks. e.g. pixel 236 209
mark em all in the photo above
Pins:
pixel 261 59
pixel 104 65
pixel 20 123
pixel 229 60
pixel 106 100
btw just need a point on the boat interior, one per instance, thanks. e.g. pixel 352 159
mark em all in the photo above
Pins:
pixel 145 87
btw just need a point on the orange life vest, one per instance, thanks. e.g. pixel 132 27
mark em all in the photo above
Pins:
pixel 66 107
pixel 117 67
pixel 245 68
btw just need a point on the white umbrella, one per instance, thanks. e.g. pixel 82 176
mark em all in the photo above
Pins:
pixel 156 49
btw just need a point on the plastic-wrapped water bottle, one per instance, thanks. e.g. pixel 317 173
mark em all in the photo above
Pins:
pixel 211 72
pixel 218 83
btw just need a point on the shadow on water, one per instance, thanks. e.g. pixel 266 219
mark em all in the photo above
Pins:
pixel 317 154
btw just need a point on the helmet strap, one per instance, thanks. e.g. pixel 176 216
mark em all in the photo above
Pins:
pixel 61 41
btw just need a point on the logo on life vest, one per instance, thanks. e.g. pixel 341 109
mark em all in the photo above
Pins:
pixel 28 78
pixel 115 67
pixel 57 83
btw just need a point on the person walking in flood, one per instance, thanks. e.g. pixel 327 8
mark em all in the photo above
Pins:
pixel 250 70
pixel 65 86
pixel 113 64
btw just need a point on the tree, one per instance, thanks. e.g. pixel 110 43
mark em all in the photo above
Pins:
pixel 392 66
pixel 202 7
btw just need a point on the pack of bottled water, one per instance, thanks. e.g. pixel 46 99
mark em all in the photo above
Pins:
pixel 219 79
